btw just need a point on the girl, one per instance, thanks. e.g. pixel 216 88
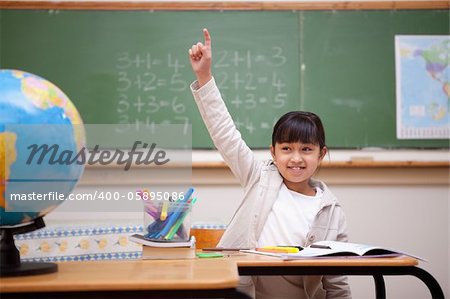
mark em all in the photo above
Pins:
pixel 282 204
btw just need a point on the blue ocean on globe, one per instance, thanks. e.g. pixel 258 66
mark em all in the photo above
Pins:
pixel 34 114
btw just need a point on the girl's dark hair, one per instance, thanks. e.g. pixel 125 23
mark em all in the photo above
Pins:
pixel 299 126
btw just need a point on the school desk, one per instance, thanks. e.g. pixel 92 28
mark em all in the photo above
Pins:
pixel 197 278
pixel 129 279
pixel 251 264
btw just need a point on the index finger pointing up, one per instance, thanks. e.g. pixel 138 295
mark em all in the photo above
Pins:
pixel 207 37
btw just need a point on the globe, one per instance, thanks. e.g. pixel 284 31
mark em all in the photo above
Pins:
pixel 37 122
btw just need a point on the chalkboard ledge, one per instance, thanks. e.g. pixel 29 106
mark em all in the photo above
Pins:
pixel 366 158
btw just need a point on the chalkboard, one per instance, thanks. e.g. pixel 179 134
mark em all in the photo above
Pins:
pixel 132 66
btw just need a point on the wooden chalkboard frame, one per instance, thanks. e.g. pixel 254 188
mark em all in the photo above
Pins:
pixel 226 5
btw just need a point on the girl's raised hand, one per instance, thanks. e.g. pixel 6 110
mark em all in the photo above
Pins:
pixel 200 57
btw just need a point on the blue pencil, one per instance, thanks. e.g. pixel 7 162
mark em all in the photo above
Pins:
pixel 172 219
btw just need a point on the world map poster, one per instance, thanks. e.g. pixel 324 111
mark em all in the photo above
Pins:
pixel 423 86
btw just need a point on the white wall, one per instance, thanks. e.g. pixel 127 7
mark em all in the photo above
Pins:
pixel 409 218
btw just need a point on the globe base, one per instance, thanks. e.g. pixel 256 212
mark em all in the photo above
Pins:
pixel 28 268
pixel 10 264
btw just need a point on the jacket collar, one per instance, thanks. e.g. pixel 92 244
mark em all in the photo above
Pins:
pixel 328 197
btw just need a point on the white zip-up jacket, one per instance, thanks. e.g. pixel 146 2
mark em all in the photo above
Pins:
pixel 261 182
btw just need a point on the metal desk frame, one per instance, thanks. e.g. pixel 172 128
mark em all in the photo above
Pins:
pixel 376 271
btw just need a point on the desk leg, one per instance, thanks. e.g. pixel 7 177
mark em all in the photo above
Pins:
pixel 380 287
pixel 430 282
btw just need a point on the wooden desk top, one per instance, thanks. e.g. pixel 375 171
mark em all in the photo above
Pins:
pixel 254 260
pixel 129 275
pixel 199 274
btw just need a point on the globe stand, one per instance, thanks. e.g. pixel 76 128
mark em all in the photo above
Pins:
pixel 10 264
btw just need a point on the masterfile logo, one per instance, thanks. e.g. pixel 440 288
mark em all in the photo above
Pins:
pixel 146 156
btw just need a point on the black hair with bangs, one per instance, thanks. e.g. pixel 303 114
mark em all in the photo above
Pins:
pixel 299 126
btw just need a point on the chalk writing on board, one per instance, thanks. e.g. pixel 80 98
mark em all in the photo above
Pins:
pixel 153 89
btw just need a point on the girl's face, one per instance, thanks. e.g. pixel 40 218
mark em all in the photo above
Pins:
pixel 297 162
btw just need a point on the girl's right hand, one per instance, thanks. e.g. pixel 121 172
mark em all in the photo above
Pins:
pixel 200 57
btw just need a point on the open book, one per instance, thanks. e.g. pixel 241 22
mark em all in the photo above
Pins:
pixel 333 249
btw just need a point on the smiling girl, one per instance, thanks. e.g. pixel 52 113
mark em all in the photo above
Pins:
pixel 282 204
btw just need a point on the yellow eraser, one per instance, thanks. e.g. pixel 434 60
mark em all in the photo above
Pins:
pixel 284 249
pixel 163 215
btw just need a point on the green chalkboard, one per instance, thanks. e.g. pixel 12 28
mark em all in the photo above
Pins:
pixel 132 66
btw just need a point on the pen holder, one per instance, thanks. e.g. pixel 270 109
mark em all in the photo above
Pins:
pixel 167 220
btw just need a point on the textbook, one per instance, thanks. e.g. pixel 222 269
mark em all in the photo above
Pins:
pixel 164 249
pixel 161 243
pixel 333 249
